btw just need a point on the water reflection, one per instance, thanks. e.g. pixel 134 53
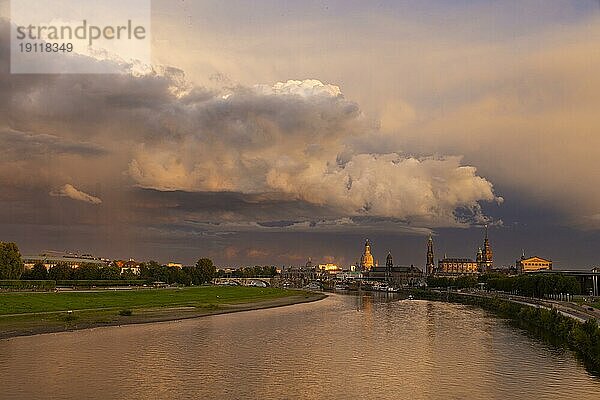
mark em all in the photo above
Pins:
pixel 374 346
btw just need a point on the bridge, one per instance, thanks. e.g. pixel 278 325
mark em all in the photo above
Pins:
pixel 252 281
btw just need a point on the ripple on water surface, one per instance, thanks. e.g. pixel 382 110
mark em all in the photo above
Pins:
pixel 344 347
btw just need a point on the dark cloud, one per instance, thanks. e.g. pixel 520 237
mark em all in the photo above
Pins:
pixel 20 145
pixel 239 174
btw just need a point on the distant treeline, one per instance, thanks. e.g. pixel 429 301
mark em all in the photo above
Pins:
pixel 203 272
pixel 64 272
pixel 48 285
pixel 249 272
pixel 150 272
pixel 584 338
pixel 533 285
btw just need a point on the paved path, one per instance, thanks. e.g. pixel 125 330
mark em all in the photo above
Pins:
pixel 569 309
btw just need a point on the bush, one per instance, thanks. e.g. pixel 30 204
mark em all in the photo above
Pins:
pixel 70 317
pixel 27 285
pixel 533 285
pixel 126 312
pixel 97 283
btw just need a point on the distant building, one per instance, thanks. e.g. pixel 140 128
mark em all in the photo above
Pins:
pixel 395 274
pixel 299 276
pixel 483 263
pixel 530 264
pixel 329 268
pixel 174 265
pixel 366 261
pixel 128 266
pixel 457 266
pixel 50 260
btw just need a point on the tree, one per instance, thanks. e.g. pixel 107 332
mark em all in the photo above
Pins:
pixel 86 272
pixel 110 272
pixel 205 270
pixel 154 272
pixel 11 265
pixel 38 273
pixel 60 272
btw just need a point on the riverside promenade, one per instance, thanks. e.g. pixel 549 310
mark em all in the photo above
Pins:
pixel 567 308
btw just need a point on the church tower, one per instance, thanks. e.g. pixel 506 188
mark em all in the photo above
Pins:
pixel 487 256
pixel 366 261
pixel 389 264
pixel 430 265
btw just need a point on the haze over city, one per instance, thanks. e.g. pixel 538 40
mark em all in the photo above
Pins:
pixel 287 130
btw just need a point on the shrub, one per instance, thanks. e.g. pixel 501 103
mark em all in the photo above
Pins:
pixel 27 285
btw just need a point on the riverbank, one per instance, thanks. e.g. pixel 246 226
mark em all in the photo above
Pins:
pixel 23 314
pixel 552 324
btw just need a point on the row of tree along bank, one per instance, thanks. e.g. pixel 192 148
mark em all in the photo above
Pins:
pixel 531 285
pixel 203 272
pixel 582 337
pixel 14 276
pixel 12 269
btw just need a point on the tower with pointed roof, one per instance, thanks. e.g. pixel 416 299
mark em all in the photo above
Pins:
pixel 366 261
pixel 389 265
pixel 485 256
pixel 430 264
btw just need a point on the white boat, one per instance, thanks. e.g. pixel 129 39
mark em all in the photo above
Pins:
pixel 410 297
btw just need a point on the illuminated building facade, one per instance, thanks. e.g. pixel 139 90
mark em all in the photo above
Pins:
pixel 463 266
pixel 366 261
pixel 457 266
pixel 530 264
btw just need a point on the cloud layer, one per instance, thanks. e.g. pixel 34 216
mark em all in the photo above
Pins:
pixel 73 193
pixel 294 140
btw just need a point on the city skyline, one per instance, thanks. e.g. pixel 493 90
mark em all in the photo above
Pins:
pixel 273 134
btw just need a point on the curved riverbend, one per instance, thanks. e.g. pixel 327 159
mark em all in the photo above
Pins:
pixel 345 347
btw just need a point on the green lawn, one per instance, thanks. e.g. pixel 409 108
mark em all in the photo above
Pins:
pixel 19 303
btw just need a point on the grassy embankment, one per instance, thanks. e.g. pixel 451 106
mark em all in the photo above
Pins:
pixel 583 338
pixel 30 313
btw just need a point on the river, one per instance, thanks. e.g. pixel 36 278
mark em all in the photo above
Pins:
pixel 343 347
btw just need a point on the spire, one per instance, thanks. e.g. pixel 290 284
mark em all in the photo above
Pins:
pixel 430 263
pixel 487 254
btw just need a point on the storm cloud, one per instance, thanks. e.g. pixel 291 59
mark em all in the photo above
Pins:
pixel 395 126
pixel 287 141
pixel 294 140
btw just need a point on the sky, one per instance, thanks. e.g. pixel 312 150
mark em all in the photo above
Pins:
pixel 268 132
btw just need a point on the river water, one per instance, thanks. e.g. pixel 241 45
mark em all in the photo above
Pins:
pixel 343 347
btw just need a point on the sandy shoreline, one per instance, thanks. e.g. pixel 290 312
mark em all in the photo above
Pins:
pixel 94 319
